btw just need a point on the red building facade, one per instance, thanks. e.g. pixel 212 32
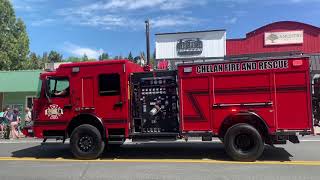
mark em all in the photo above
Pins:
pixel 283 38
pixel 254 42
pixel 278 39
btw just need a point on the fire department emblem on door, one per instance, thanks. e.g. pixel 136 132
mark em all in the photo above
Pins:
pixel 54 111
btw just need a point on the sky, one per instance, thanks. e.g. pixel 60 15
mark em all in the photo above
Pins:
pixel 78 27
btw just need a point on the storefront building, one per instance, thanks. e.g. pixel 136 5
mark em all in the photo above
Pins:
pixel 284 38
pixel 18 89
pixel 180 47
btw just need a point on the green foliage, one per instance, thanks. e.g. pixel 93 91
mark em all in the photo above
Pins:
pixel 14 40
pixel 34 61
pixel 130 57
pixel 54 57
pixel 152 60
pixel 104 56
pixel 73 59
pixel 45 57
pixel 136 59
pixel 85 58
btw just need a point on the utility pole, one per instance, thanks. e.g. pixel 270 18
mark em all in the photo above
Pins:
pixel 148 40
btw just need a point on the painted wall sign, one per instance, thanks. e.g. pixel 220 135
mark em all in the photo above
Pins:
pixel 189 47
pixel 54 111
pixel 282 38
pixel 244 66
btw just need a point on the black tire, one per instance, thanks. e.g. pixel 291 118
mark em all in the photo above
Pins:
pixel 243 142
pixel 86 142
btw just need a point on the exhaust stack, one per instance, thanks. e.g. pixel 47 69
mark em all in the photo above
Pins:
pixel 148 41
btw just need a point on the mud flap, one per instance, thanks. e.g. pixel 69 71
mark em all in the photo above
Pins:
pixel 294 139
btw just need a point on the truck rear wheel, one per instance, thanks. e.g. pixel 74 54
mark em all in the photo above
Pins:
pixel 243 142
pixel 86 142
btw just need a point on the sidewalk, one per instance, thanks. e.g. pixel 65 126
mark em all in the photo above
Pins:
pixel 26 140
pixel 21 140
pixel 317 130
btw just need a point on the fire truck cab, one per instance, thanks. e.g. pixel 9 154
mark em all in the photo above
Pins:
pixel 246 104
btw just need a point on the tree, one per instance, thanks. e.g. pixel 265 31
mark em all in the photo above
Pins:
pixel 85 58
pixel 153 61
pixel 14 40
pixel 44 59
pixel 136 59
pixel 104 56
pixel 54 57
pixel 130 57
pixel 73 59
pixel 34 62
pixel 23 45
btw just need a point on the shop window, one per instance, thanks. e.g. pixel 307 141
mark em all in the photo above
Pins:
pixel 14 106
pixel 29 101
pixel 109 84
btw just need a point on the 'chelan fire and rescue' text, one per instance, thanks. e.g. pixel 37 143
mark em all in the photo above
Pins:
pixel 242 66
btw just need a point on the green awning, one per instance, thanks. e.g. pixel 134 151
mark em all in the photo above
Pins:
pixel 19 81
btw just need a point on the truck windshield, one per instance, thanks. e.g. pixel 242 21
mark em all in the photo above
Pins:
pixel 39 89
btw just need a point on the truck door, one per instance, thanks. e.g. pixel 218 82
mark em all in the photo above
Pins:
pixel 59 107
pixel 87 93
pixel 111 101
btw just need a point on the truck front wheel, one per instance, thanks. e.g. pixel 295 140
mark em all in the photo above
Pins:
pixel 86 142
pixel 243 142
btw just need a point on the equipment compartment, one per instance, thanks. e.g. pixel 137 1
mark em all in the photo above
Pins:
pixel 155 102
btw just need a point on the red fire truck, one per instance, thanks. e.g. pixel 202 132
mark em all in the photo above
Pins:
pixel 246 104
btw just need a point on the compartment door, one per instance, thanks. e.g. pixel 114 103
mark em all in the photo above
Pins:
pixel 195 104
pixel 292 102
pixel 87 92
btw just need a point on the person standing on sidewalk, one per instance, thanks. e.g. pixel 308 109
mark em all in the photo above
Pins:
pixel 14 124
pixel 27 118
pixel 2 118
pixel 7 118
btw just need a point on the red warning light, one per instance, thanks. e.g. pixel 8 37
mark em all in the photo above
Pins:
pixel 296 63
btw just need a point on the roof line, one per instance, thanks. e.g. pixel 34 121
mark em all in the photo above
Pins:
pixel 33 70
pixel 277 22
pixel 212 30
pixel 251 32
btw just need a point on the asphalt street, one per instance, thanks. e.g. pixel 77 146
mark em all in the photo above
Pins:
pixel 28 159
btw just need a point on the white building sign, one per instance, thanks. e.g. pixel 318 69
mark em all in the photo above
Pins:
pixel 283 38
pixel 191 45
